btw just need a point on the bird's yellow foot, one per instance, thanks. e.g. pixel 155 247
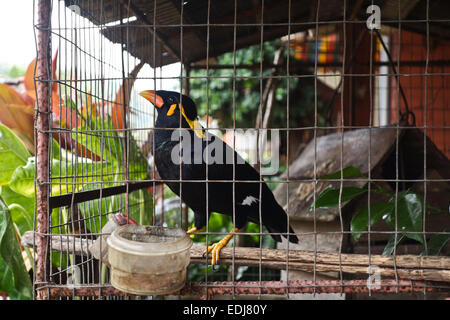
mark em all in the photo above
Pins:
pixel 216 247
pixel 192 230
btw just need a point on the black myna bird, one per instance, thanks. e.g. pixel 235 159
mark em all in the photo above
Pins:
pixel 215 195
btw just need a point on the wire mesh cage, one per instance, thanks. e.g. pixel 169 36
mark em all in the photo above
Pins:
pixel 340 108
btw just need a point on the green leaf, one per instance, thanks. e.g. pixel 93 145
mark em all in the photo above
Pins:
pixel 95 211
pixel 330 197
pixel 436 243
pixel 12 265
pixel 22 180
pixel 56 150
pixel 360 221
pixel 137 164
pixel 20 217
pixel 99 137
pixel 140 206
pixel 409 214
pixel 389 248
pixel 66 175
pixel 13 153
pixel 17 202
pixel 349 172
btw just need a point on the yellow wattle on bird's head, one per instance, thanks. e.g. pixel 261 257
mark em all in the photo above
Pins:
pixel 161 98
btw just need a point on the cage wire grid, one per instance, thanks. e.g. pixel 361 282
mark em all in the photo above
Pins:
pixel 92 155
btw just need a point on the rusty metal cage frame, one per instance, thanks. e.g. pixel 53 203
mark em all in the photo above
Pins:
pixel 43 236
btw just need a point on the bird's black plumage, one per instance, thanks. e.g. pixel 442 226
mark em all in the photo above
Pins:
pixel 215 195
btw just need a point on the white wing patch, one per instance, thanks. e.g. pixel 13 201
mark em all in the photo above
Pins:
pixel 249 201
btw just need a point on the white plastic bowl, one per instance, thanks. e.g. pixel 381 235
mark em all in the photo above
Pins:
pixel 148 260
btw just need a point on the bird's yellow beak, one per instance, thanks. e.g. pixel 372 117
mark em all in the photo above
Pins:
pixel 151 96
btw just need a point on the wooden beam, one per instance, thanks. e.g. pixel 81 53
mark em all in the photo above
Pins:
pixel 142 17
pixel 187 20
pixel 409 267
pixel 207 290
pixel 391 8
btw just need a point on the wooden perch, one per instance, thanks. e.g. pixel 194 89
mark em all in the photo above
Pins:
pixel 410 267
pixel 406 266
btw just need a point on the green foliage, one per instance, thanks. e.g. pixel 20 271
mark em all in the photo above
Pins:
pixel 69 173
pixel 349 172
pixel 14 278
pixel 108 144
pixel 16 71
pixel 409 215
pixel 393 242
pixel 360 220
pixel 403 212
pixel 436 243
pixel 99 137
pixel 140 206
pixel 13 153
pixel 330 197
pixel 240 93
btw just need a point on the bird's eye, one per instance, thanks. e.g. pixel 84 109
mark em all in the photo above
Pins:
pixel 171 100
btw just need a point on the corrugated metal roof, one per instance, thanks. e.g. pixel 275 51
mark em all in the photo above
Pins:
pixel 158 38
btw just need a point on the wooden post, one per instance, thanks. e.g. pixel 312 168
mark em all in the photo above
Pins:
pixel 43 137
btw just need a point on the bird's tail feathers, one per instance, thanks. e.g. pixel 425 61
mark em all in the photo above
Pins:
pixel 291 237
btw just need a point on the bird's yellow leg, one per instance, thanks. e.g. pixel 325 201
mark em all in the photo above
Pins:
pixel 193 230
pixel 216 247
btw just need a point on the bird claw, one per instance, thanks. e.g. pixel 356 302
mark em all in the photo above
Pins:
pixel 215 249
pixel 214 256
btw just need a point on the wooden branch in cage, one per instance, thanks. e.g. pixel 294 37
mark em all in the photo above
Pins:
pixel 72 244
pixel 406 266
pixel 411 267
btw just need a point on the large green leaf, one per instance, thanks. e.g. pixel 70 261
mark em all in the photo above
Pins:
pixel 95 211
pixel 349 172
pixel 99 137
pixel 390 246
pixel 13 153
pixel 409 215
pixel 21 208
pixel 14 278
pixel 330 197
pixel 140 206
pixel 137 164
pixel 360 221
pixel 67 175
pixel 436 243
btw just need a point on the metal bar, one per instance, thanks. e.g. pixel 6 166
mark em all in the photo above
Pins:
pixel 42 143
pixel 125 94
pixel 298 63
pixel 68 199
pixel 195 66
pixel 392 65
